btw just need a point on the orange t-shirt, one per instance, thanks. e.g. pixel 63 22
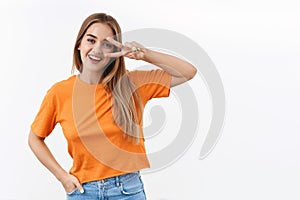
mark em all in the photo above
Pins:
pixel 84 111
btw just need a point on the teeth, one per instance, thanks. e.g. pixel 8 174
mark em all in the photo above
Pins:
pixel 94 58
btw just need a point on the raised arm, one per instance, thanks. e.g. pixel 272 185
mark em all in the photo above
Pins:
pixel 180 70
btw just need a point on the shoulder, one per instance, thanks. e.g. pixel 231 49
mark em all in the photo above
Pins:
pixel 153 76
pixel 62 86
pixel 140 75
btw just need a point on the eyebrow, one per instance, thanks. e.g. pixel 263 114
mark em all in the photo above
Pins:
pixel 91 35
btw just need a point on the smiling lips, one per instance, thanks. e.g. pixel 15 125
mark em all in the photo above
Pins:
pixel 94 58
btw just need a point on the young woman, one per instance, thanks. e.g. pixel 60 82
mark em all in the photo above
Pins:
pixel 100 111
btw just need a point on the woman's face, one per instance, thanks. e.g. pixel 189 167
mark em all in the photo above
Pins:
pixel 93 46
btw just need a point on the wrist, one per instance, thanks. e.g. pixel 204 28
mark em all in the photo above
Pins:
pixel 61 176
pixel 147 53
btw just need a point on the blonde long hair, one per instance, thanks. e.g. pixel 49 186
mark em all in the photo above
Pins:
pixel 127 106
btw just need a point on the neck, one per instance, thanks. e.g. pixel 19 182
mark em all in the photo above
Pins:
pixel 90 77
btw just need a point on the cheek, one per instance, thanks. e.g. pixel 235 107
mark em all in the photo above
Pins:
pixel 84 51
pixel 85 47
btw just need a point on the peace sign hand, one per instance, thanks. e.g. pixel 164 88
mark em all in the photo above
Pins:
pixel 132 50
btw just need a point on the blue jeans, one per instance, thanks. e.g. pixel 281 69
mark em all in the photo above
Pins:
pixel 123 187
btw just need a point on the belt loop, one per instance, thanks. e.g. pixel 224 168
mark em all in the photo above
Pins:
pixel 117 181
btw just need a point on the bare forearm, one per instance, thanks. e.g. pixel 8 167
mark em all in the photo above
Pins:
pixel 44 155
pixel 171 64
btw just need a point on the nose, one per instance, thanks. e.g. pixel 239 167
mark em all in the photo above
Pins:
pixel 97 49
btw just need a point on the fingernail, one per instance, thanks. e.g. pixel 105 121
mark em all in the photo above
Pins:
pixel 108 38
pixel 81 191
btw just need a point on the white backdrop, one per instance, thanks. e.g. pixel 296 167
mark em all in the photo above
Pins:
pixel 255 46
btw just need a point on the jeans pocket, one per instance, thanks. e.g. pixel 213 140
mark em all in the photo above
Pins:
pixel 132 186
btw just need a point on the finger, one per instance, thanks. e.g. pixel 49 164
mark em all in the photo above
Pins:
pixel 134 46
pixel 114 42
pixel 129 45
pixel 130 55
pixel 73 190
pixel 138 55
pixel 79 187
pixel 135 55
pixel 115 55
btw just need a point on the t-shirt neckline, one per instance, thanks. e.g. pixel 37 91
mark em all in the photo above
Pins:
pixel 77 78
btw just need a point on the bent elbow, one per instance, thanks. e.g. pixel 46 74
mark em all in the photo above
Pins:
pixel 192 73
pixel 33 139
pixel 30 140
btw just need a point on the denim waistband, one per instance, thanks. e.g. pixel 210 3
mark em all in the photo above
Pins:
pixel 116 180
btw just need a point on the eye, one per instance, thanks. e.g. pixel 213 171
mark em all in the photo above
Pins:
pixel 92 41
pixel 107 45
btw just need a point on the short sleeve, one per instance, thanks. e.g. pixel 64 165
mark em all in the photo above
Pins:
pixel 46 118
pixel 151 83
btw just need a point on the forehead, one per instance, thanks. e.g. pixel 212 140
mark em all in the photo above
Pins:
pixel 100 30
